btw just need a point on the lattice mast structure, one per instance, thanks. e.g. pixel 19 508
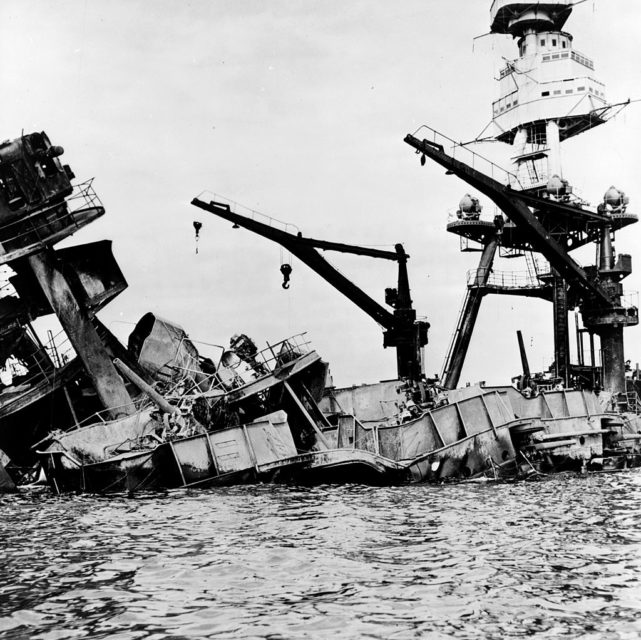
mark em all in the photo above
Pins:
pixel 548 94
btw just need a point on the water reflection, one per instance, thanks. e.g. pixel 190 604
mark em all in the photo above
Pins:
pixel 554 559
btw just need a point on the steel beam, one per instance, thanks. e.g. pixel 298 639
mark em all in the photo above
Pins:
pixel 82 335
pixel 403 332
pixel 456 358
pixel 304 250
pixel 510 202
pixel 561 329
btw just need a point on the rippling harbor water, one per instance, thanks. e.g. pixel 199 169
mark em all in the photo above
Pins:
pixel 559 558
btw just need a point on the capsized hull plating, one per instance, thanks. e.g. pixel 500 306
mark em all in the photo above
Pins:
pixel 262 451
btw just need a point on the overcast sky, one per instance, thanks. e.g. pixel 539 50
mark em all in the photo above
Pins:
pixel 298 109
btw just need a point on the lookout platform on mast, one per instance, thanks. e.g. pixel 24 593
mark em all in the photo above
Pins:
pixel 578 232
pixel 516 283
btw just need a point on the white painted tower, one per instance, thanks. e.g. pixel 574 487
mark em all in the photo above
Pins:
pixel 548 94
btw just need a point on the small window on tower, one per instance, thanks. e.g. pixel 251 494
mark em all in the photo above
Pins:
pixel 545 93
pixel 564 44
pixel 542 43
pixel 554 43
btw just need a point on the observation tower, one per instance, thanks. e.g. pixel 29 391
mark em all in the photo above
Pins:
pixel 546 95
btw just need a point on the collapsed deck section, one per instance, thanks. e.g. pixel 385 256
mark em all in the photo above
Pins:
pixel 57 380
pixel 39 206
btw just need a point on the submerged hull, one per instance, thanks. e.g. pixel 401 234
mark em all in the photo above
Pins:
pixel 261 451
pixel 126 473
pixel 454 441
pixel 167 467
pixel 477 431
pixel 490 431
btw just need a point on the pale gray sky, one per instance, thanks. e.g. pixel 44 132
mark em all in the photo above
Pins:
pixel 297 109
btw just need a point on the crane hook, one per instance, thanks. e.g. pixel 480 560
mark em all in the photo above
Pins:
pixel 286 270
pixel 197 227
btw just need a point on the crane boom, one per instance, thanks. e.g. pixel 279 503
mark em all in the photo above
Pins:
pixel 402 330
pixel 513 203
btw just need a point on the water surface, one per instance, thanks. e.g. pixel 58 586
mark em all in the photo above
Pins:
pixel 559 558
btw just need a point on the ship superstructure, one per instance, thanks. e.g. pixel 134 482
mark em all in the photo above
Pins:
pixel 547 95
pixel 60 382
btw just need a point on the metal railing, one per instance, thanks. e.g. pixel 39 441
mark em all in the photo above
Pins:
pixel 506 103
pixel 533 174
pixel 83 197
pixel 630 299
pixel 252 214
pixel 504 279
pixel 43 363
pixel 274 355
pixel 261 363
pixel 582 59
pixel 59 348
pixel 508 68
pixel 538 264
pixel 106 415
pixel 633 402
pixel 462 153
pixel 488 214
pixel 40 224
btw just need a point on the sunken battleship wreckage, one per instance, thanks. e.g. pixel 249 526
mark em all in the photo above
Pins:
pixel 101 416
pixel 105 417
pixel 70 375
pixel 577 415
pixel 548 94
